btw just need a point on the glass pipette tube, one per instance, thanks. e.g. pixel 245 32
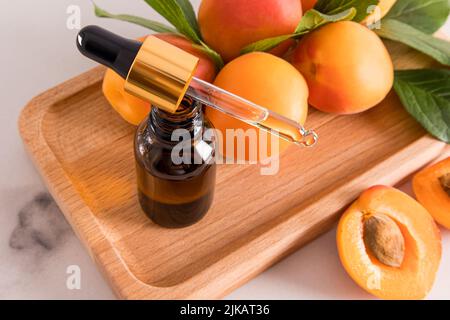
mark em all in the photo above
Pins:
pixel 251 113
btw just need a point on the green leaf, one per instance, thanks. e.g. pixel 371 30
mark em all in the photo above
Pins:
pixel 217 59
pixel 149 24
pixel 426 96
pixel 312 19
pixel 190 15
pixel 332 7
pixel 425 15
pixel 266 44
pixel 173 12
pixel 401 32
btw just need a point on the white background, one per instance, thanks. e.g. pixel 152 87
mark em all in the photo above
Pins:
pixel 37 52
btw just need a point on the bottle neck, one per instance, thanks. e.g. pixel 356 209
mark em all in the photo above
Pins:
pixel 189 117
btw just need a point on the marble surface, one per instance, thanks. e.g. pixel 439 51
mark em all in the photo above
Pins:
pixel 37 246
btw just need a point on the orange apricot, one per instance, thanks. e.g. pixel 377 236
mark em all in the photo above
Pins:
pixel 130 108
pixel 432 189
pixel 230 25
pixel 133 109
pixel 283 48
pixel 265 80
pixel 347 67
pixel 389 244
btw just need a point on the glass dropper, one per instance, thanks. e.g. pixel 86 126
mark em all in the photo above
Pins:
pixel 251 113
pixel 120 54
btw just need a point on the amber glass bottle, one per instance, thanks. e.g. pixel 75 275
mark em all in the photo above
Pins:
pixel 175 184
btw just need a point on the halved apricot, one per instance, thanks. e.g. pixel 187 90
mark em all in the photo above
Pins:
pixel 432 189
pixel 389 244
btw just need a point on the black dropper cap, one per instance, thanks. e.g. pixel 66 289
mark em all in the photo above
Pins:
pixel 108 49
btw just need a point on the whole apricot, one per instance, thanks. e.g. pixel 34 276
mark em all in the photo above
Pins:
pixel 230 25
pixel 129 107
pixel 268 81
pixel 347 67
pixel 133 109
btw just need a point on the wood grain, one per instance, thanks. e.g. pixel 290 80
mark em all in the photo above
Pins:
pixel 84 152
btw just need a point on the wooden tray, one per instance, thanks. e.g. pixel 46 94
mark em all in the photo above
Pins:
pixel 84 152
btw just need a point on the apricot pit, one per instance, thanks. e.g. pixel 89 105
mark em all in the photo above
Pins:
pixel 384 239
